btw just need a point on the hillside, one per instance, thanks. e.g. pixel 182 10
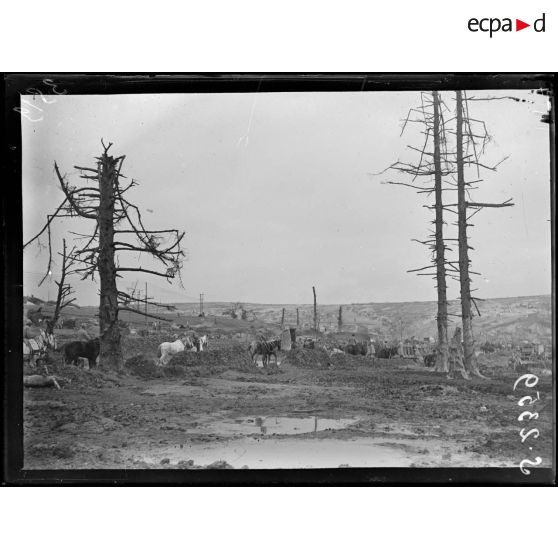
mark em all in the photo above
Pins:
pixel 503 319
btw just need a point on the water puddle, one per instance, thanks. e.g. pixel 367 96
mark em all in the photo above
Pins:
pixel 268 426
pixel 286 453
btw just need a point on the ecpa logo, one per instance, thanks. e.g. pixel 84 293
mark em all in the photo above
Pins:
pixel 494 24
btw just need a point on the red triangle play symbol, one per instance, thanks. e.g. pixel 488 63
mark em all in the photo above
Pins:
pixel 519 25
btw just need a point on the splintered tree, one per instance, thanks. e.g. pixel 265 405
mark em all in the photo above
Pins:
pixel 340 319
pixel 433 166
pixel 65 290
pixel 118 229
pixel 439 245
pixel 448 169
pixel 471 141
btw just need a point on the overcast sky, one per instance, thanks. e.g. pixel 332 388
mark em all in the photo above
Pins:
pixel 276 192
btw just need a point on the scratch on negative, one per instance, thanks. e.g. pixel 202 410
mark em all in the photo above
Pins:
pixel 244 139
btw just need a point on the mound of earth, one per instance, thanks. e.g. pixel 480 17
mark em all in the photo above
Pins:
pixel 236 357
pixel 144 367
pixel 308 358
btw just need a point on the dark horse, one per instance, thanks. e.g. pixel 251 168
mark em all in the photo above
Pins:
pixel 75 350
pixel 265 349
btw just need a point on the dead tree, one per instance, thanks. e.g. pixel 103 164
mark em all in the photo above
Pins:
pixel 65 290
pixel 470 361
pixel 448 169
pixel 468 155
pixel 118 229
pixel 433 165
pixel 283 319
pixel 439 245
pixel 340 319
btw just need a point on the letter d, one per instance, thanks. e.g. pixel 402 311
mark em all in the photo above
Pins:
pixel 537 21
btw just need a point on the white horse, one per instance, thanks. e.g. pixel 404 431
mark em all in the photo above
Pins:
pixel 202 342
pixel 36 347
pixel 167 350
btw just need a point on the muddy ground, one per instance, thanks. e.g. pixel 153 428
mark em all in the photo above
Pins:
pixel 217 410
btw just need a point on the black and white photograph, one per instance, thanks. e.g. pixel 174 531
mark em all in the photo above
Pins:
pixel 286 275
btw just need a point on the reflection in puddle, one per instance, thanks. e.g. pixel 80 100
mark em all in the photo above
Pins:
pixel 279 425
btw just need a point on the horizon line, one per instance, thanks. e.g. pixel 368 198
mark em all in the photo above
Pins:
pixel 196 303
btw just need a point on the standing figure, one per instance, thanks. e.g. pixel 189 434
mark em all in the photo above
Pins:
pixel 371 350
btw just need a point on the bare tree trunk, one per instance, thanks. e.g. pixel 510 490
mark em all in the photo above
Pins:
pixel 283 319
pixel 111 353
pixel 297 318
pixel 470 361
pixel 456 360
pixel 315 310
pixel 340 319
pixel 442 355
pixel 64 290
pixel 60 295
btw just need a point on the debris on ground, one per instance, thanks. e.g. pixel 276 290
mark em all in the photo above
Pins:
pixel 77 377
pixel 438 389
pixel 67 374
pixel 38 381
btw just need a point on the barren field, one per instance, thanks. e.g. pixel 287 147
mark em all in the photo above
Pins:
pixel 215 409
